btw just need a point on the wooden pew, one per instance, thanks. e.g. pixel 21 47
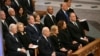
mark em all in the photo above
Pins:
pixel 41 13
pixel 93 47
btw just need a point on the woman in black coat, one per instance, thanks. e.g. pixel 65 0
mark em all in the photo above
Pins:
pixel 24 38
pixel 22 16
pixel 56 41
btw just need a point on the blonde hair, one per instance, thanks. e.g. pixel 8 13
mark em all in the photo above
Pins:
pixel 53 29
pixel 20 23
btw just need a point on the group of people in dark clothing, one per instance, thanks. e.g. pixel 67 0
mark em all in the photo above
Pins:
pixel 58 35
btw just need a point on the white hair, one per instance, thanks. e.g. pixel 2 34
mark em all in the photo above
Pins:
pixel 10 9
pixel 44 29
pixel 11 26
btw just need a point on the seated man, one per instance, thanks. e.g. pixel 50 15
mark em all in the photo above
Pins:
pixel 77 31
pixel 45 47
pixel 13 46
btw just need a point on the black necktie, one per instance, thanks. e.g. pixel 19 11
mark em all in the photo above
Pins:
pixel 66 16
pixel 48 41
pixel 15 38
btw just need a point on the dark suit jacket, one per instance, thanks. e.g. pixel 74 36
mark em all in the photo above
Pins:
pixel 56 42
pixel 61 16
pixel 48 21
pixel 12 45
pixel 34 35
pixel 66 40
pixel 10 20
pixel 4 7
pixel 45 48
pixel 15 6
pixel 24 39
pixel 4 29
pixel 77 32
pixel 23 19
pixel 29 8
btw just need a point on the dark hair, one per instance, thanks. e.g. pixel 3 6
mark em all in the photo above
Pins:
pixel 66 0
pixel 22 8
pixel 60 24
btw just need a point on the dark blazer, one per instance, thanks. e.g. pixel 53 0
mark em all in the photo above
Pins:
pixel 29 8
pixel 77 32
pixel 4 7
pixel 48 21
pixel 34 35
pixel 46 48
pixel 66 40
pixel 4 29
pixel 23 19
pixel 24 39
pixel 15 6
pixel 61 16
pixel 39 26
pixel 10 20
pixel 12 45
pixel 56 42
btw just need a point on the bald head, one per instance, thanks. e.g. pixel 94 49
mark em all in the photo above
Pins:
pixel 50 9
pixel 46 31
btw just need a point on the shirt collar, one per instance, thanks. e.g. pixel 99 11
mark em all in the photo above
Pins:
pixel 12 33
pixel 2 20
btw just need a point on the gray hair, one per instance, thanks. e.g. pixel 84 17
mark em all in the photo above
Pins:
pixel 12 26
pixel 44 29
pixel 10 9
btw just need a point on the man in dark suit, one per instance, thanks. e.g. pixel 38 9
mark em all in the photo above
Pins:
pixel 6 5
pixel 12 18
pixel 32 30
pixel 83 23
pixel 62 14
pixel 77 32
pixel 4 24
pixel 16 4
pixel 13 46
pixel 28 5
pixel 45 47
pixel 49 19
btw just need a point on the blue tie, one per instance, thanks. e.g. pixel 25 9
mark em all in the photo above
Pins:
pixel 66 16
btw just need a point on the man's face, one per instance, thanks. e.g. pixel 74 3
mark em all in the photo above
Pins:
pixel 64 6
pixel 2 15
pixel 12 12
pixel 31 20
pixel 72 17
pixel 50 10
pixel 8 2
pixel 47 33
pixel 14 29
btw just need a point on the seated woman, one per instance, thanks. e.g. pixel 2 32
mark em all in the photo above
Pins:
pixel 66 38
pixel 56 41
pixel 38 21
pixel 23 37
pixel 22 16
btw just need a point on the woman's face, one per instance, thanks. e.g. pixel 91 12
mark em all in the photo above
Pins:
pixel 64 25
pixel 20 28
pixel 37 18
pixel 20 10
pixel 56 30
